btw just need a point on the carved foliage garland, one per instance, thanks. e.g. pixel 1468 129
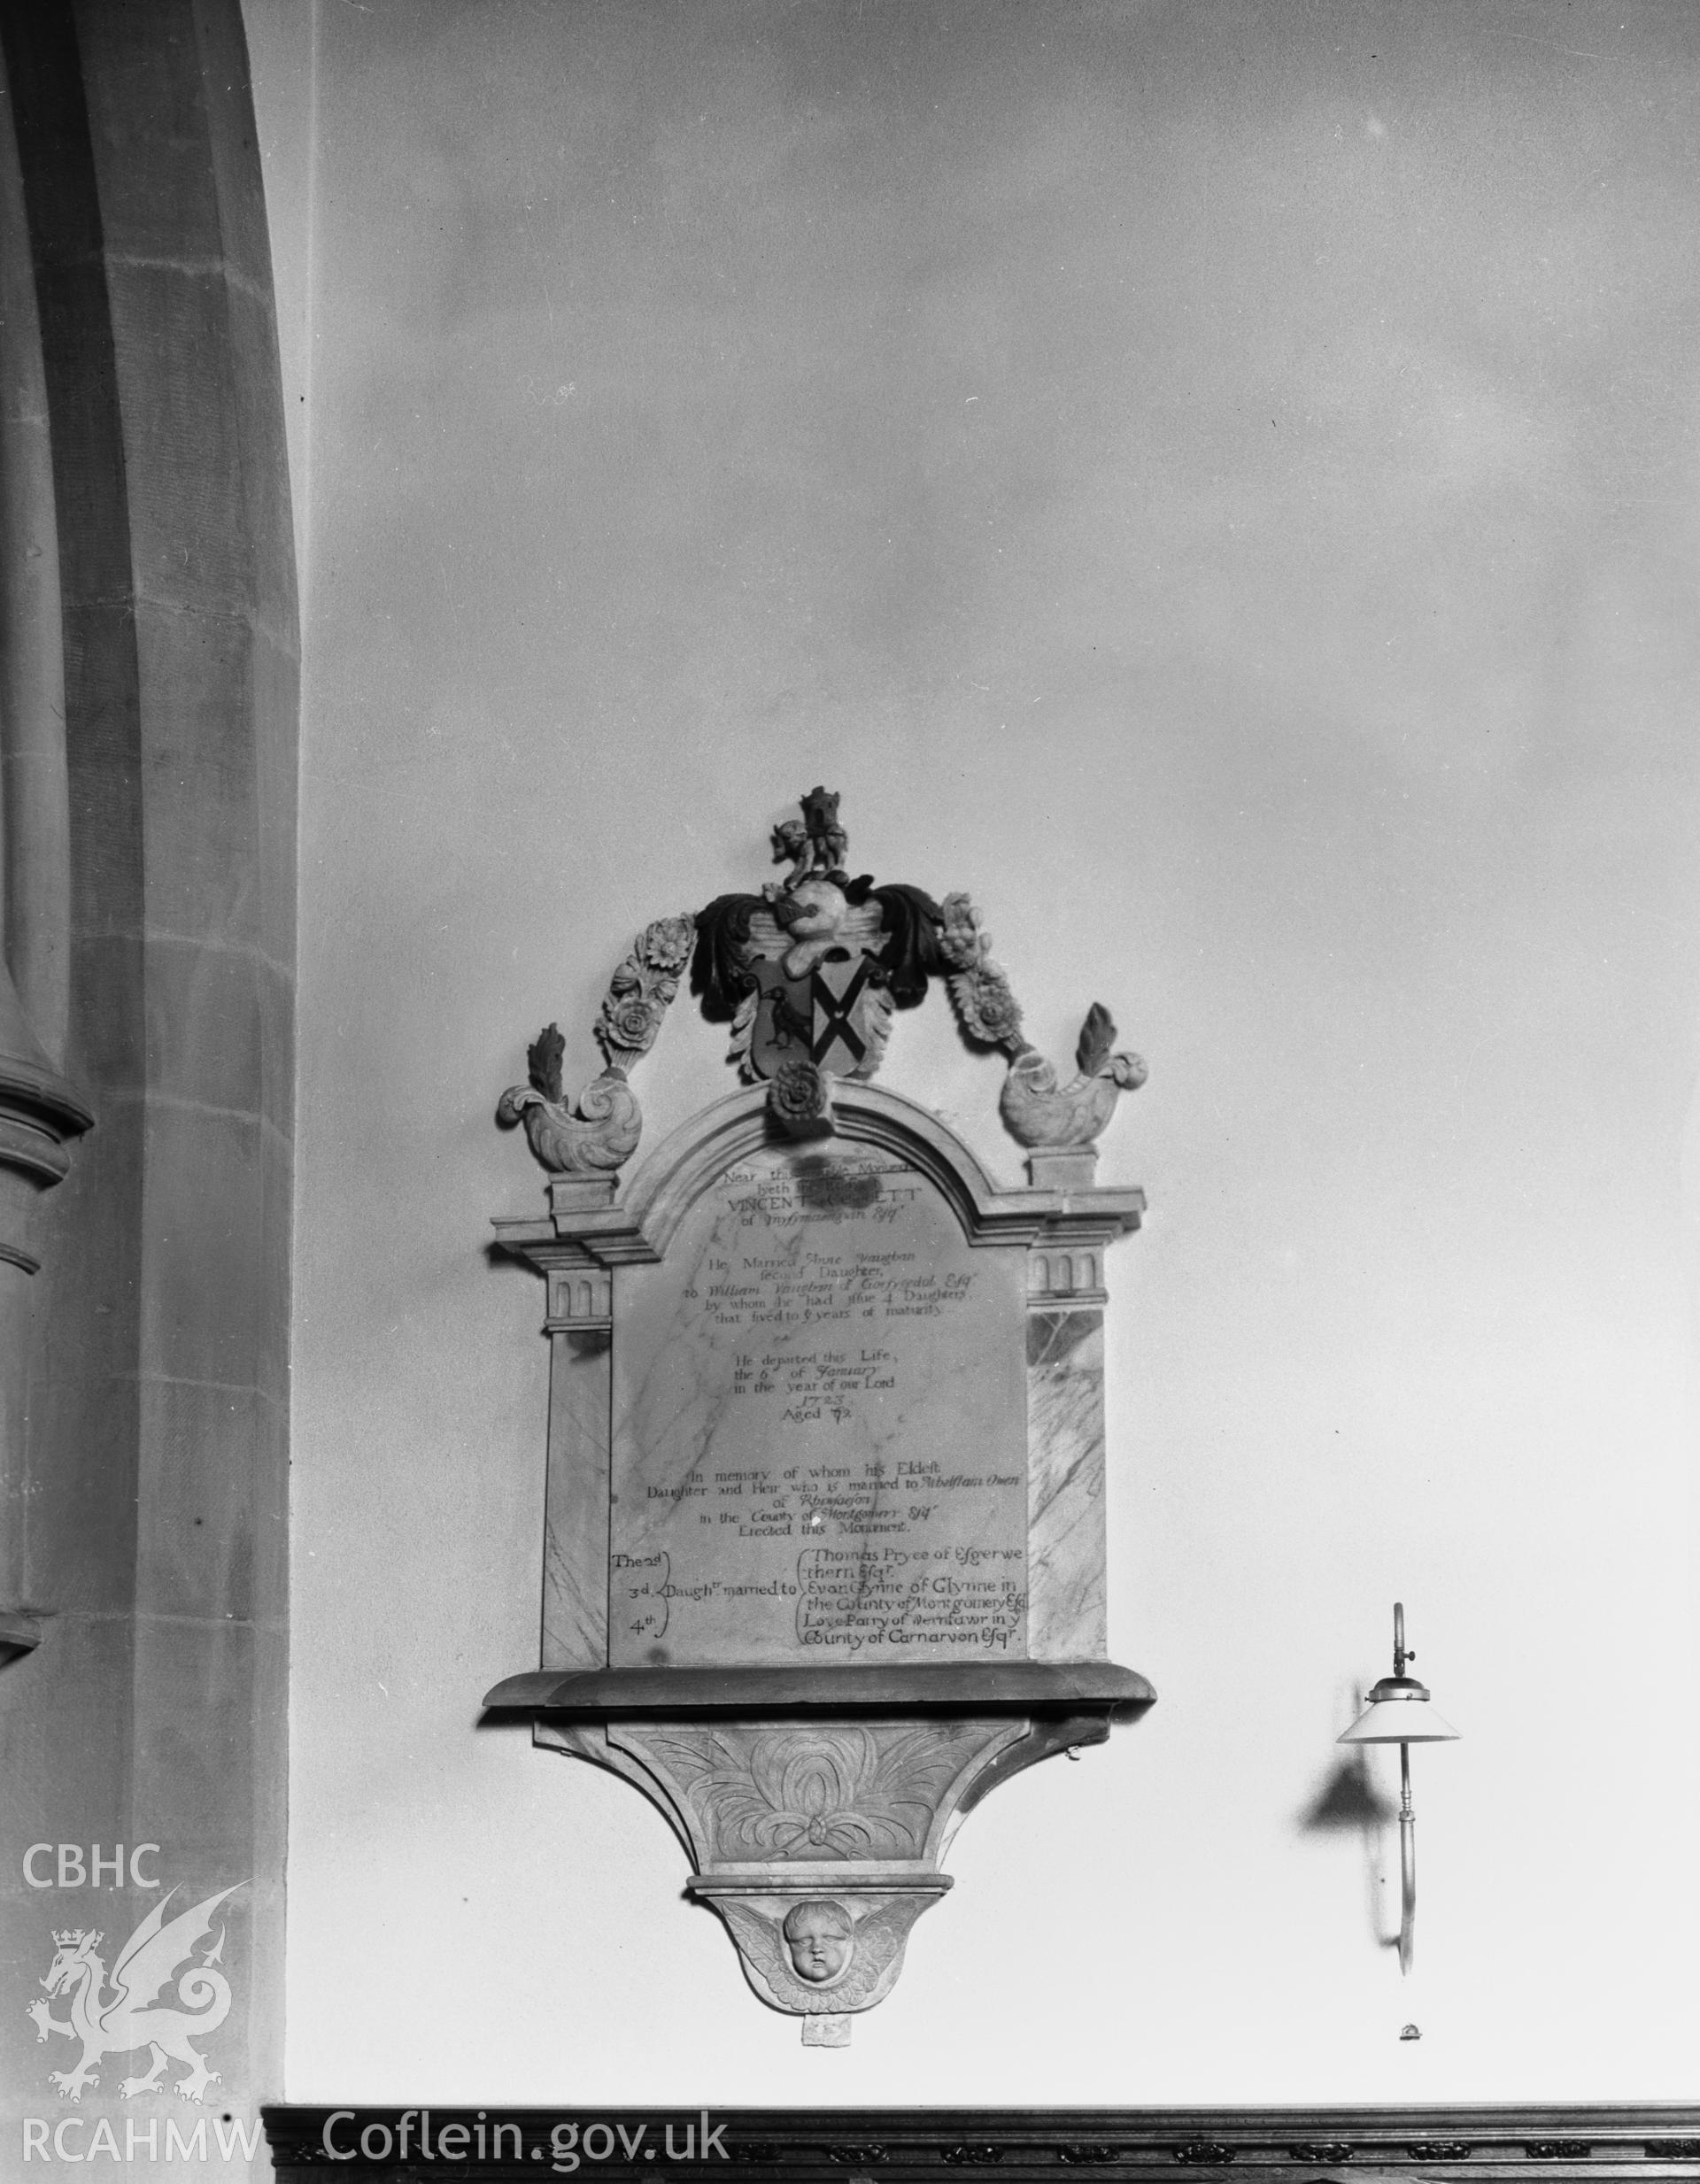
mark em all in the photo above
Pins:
pixel 642 989
pixel 985 1007
pixel 597 1132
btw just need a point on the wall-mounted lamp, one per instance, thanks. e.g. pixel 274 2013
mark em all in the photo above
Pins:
pixel 1399 1712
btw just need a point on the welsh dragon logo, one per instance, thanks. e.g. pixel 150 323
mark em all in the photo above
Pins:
pixel 156 1956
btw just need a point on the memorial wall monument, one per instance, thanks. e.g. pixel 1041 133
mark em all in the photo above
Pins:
pixel 823 1551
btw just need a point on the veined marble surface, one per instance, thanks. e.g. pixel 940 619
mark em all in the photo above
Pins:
pixel 576 1519
pixel 1066 1543
pixel 819 1427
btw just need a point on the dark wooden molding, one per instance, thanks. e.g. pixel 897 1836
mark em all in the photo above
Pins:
pixel 1646 2140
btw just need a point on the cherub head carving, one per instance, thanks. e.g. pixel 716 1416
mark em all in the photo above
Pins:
pixel 821 1939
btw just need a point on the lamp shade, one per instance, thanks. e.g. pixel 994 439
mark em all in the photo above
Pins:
pixel 1399 1712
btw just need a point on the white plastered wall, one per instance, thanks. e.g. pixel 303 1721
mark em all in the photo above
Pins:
pixel 1218 485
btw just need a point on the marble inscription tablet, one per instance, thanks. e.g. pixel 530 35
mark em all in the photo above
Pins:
pixel 820 1427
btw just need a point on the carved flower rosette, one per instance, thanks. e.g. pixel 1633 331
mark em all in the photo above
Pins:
pixel 980 991
pixel 642 989
pixel 799 1099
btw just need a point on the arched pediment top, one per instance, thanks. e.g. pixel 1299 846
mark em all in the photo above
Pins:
pixel 642 1223
pixel 699 1152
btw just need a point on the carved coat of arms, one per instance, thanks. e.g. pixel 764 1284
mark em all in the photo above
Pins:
pixel 810 970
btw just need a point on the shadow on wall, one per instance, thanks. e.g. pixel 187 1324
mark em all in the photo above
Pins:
pixel 1348 1802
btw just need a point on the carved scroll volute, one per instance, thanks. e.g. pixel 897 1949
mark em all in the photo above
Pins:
pixel 597 1132
pixel 1037 1110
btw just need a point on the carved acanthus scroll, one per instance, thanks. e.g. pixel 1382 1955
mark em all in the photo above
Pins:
pixel 598 1131
pixel 1037 1110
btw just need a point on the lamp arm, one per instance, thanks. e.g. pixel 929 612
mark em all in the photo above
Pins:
pixel 1407 1865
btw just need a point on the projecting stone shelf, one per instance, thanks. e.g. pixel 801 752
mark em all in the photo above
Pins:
pixel 987 1687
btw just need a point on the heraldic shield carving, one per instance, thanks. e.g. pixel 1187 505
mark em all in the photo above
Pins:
pixel 823 1523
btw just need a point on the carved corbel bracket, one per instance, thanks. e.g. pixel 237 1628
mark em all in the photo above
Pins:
pixel 819 1839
